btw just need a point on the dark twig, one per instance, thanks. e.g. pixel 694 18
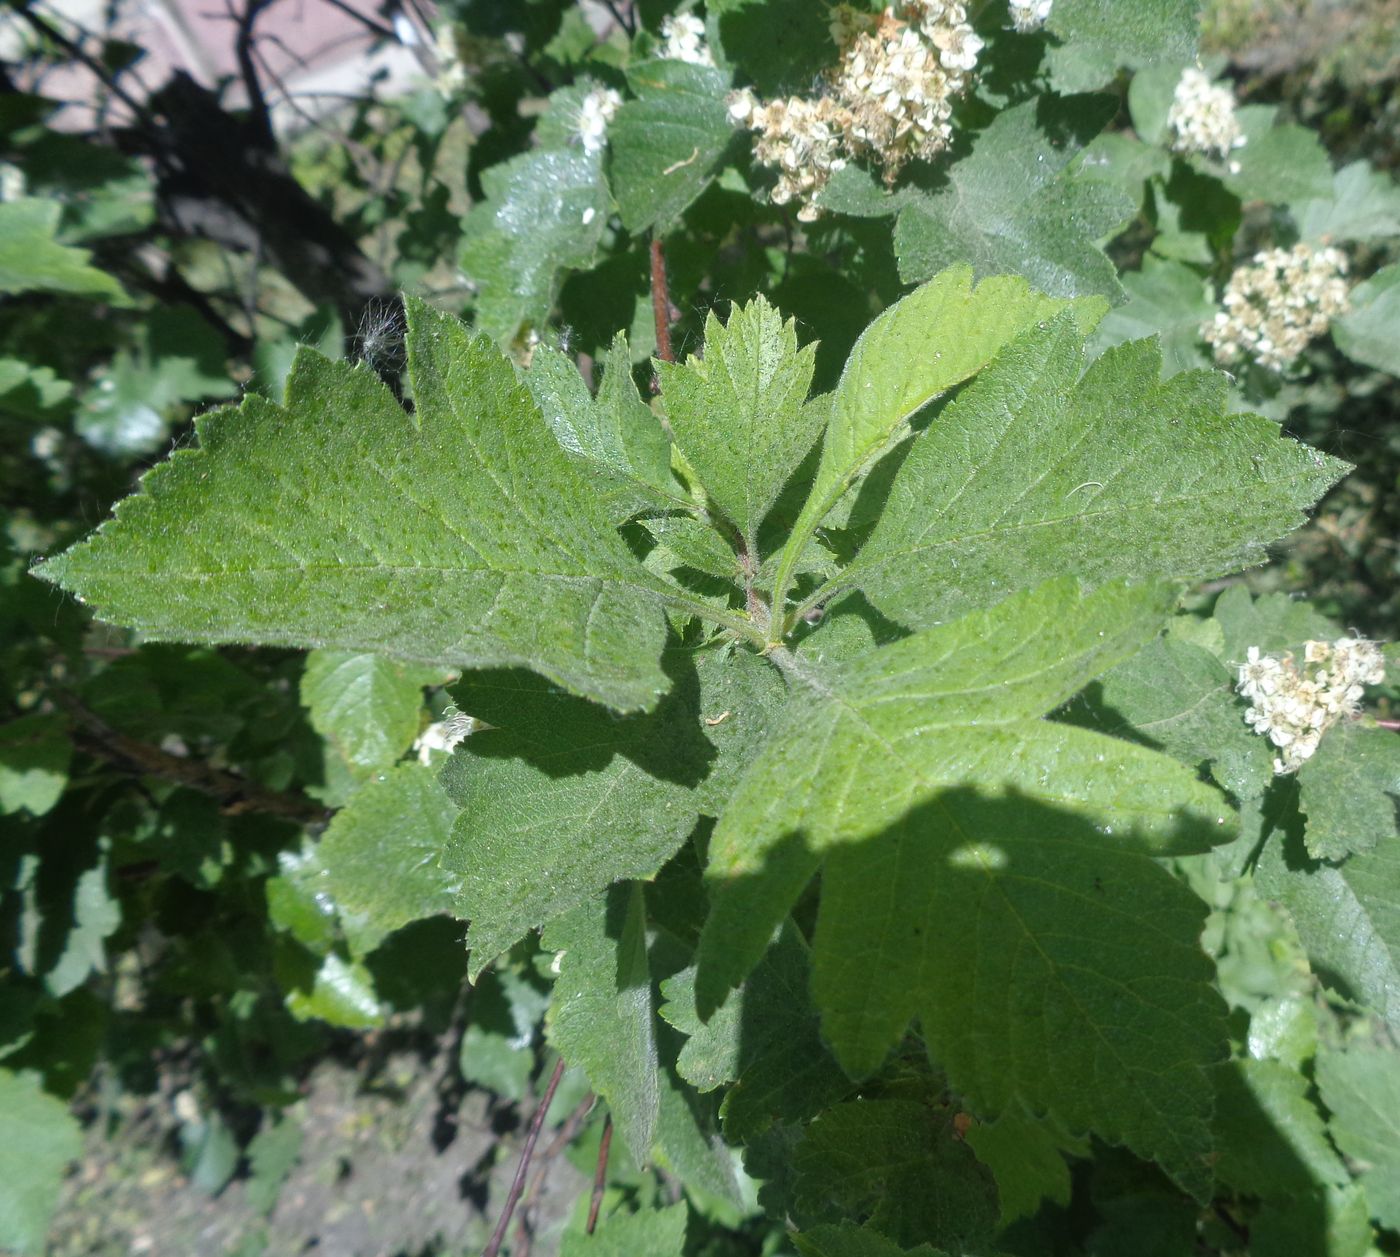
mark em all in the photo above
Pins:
pixel 235 794
pixel 561 1140
pixel 518 1184
pixel 79 54
pixel 627 20
pixel 384 32
pixel 600 1175
pixel 248 70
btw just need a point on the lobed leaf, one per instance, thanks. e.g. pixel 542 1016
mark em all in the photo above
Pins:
pixel 739 411
pixel 561 799
pixel 919 348
pixel 1035 471
pixel 459 537
pixel 378 859
pixel 1362 1089
pixel 32 259
pixel 950 708
pixel 367 706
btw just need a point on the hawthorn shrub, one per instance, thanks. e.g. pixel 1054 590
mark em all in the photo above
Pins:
pixel 777 644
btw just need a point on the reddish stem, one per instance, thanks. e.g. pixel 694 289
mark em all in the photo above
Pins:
pixel 1388 724
pixel 600 1175
pixel 661 301
pixel 521 1170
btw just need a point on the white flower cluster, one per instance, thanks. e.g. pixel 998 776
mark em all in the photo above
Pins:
pixel 1295 706
pixel 598 109
pixel 889 97
pixel 1202 117
pixel 443 735
pixel 898 76
pixel 1029 15
pixel 683 39
pixel 799 138
pixel 1282 300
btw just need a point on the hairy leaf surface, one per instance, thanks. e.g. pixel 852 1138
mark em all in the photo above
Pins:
pixel 739 414
pixel 919 348
pixel 1014 205
pixel 560 798
pixel 1035 471
pixel 602 1018
pixel 954 707
pixel 460 537
pixel 664 143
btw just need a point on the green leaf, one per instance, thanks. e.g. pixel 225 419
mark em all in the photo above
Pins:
pixel 1347 916
pixel 1362 1089
pixel 664 143
pixel 764 1040
pixel 1277 164
pixel 1036 471
pixel 32 260
pixel 1182 698
pixel 1364 205
pixel 1160 30
pixel 1273 622
pixel 1348 791
pixel 1018 935
pixel 368 707
pixel 849 1240
pixel 1333 1222
pixel 96 916
pixel 649 1233
pixel 951 708
pixel 545 213
pixel 180 358
pixel 380 855
pixel 1272 1139
pixel 1024 1155
pixel 30 391
pixel 1366 332
pixel 1046 230
pixel 34 755
pixel 891 375
pixel 602 1018
pixel 901 1166
pixel 38 1138
pixel 341 994
pixel 495 1053
pixel 459 537
pixel 627 451
pixel 272 1153
pixel 561 799
pixel 1165 299
pixel 781 45
pixel 738 411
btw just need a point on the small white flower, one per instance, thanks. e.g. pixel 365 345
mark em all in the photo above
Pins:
pixel 1294 706
pixel 1278 304
pixel 1202 116
pixel 598 109
pixel 1029 15
pixel 683 39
